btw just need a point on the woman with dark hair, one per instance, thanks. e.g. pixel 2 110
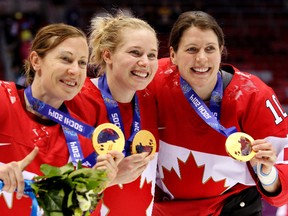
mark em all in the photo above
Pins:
pixel 208 112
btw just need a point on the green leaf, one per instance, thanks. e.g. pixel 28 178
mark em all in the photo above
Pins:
pixel 53 200
pixel 56 214
pixel 67 168
pixel 49 170
pixel 79 165
pixel 57 190
pixel 81 172
pixel 70 199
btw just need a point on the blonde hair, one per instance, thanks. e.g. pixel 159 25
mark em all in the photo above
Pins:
pixel 106 34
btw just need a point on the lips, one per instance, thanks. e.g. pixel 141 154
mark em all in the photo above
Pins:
pixel 201 70
pixel 142 74
pixel 70 83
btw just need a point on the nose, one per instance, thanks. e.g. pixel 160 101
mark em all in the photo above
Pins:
pixel 201 55
pixel 74 69
pixel 143 61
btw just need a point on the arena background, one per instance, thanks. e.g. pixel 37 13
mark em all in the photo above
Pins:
pixel 255 31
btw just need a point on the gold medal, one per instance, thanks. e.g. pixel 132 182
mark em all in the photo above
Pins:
pixel 107 137
pixel 239 146
pixel 144 141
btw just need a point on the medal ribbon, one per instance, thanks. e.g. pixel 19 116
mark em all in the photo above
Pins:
pixel 210 116
pixel 70 126
pixel 115 115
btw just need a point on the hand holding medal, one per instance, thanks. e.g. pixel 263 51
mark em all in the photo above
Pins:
pixel 239 146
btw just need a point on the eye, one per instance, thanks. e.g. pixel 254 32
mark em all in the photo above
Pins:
pixel 210 49
pixel 66 59
pixel 135 52
pixel 82 64
pixel 152 56
pixel 192 50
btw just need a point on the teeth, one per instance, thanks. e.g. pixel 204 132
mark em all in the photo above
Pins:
pixel 140 74
pixel 201 69
pixel 70 83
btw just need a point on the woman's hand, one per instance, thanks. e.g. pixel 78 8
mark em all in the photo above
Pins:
pixel 109 162
pixel 11 174
pixel 265 159
pixel 131 167
pixel 265 155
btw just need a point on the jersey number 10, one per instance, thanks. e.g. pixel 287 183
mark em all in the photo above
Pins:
pixel 278 118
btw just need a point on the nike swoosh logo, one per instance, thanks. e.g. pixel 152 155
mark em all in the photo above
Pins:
pixel 3 144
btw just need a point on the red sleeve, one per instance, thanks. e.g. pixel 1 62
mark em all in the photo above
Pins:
pixel 254 106
pixel 281 198
pixel 266 117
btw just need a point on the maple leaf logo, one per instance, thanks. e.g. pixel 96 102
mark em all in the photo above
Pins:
pixel 129 200
pixel 189 184
pixel 17 206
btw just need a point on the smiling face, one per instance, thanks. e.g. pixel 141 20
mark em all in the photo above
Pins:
pixel 133 64
pixel 61 73
pixel 198 57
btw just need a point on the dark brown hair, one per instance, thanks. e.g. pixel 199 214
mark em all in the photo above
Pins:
pixel 197 19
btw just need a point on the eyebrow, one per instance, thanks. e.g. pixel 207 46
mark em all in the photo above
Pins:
pixel 71 53
pixel 65 52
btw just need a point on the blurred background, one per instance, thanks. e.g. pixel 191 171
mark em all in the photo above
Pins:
pixel 255 31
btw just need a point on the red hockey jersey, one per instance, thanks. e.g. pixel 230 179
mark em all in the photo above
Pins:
pixel 20 131
pixel 195 173
pixel 135 198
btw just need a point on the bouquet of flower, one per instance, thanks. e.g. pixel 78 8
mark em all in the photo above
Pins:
pixel 67 191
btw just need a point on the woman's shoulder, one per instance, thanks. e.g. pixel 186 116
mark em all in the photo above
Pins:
pixel 245 83
pixel 12 100
pixel 9 91
pixel 167 72
pixel 243 77
pixel 7 86
pixel 90 85
pixel 165 66
pixel 89 91
pixel 249 80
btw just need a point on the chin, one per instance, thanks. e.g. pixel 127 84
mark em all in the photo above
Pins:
pixel 69 97
pixel 139 88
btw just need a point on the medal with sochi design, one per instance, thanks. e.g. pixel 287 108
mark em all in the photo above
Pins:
pixel 144 141
pixel 238 146
pixel 107 137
